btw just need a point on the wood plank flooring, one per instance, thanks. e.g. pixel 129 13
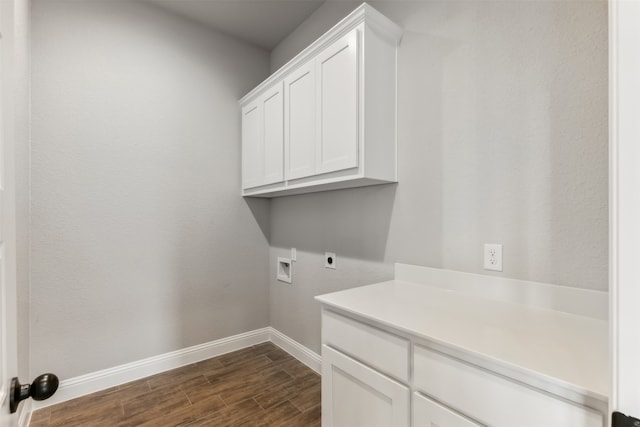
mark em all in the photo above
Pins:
pixel 257 386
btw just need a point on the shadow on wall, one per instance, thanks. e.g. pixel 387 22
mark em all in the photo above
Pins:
pixel 501 139
pixel 354 222
pixel 392 222
pixel 261 210
pixel 416 229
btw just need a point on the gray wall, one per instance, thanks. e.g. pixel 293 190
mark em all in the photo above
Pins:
pixel 502 138
pixel 141 243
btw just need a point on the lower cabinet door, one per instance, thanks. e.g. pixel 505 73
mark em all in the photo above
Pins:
pixel 355 395
pixel 427 413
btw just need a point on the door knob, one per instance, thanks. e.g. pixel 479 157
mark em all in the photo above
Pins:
pixel 41 388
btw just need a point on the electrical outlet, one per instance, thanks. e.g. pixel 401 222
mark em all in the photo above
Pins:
pixel 493 256
pixel 330 260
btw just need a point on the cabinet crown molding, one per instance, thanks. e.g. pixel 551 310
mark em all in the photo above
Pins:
pixel 363 13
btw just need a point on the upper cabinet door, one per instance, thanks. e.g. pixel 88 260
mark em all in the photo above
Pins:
pixel 263 139
pixel 252 147
pixel 273 131
pixel 299 122
pixel 337 105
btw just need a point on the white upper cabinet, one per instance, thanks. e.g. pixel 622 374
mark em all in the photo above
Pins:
pixel 263 139
pixel 327 119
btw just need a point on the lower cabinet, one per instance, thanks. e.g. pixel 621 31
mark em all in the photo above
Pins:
pixel 355 395
pixel 427 413
pixel 396 381
pixel 492 399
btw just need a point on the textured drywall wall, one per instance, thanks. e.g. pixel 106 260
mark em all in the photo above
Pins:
pixel 141 244
pixel 502 138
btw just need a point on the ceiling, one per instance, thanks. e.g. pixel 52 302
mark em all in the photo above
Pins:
pixel 263 23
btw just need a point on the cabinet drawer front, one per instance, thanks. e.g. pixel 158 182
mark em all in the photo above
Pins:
pixel 492 399
pixel 427 413
pixel 355 395
pixel 384 351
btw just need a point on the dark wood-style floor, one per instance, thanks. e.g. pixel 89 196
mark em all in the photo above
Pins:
pixel 257 386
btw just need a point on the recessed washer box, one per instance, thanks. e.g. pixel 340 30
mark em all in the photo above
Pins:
pixel 284 270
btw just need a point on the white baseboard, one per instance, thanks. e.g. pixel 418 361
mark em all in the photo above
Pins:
pixel 297 350
pixel 107 378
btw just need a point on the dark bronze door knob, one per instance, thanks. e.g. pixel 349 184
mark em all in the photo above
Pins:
pixel 43 387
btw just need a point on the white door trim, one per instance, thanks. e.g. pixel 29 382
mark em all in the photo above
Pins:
pixel 624 205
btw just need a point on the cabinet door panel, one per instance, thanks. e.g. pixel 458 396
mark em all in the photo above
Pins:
pixel 355 395
pixel 273 136
pixel 491 399
pixel 300 116
pixel 337 115
pixel 427 413
pixel 252 147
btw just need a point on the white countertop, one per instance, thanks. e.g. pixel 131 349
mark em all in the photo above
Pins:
pixel 549 347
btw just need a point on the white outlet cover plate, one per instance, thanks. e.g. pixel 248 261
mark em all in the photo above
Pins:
pixel 493 256
pixel 331 255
